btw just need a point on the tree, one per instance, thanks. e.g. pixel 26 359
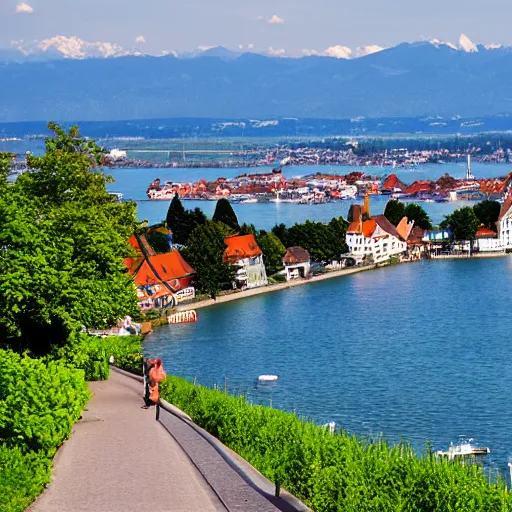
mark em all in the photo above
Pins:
pixel 224 213
pixel 205 253
pixel 281 231
pixel 463 224
pixel 62 244
pixel 487 212
pixel 414 212
pixel 338 225
pixel 182 222
pixel 394 211
pixel 273 252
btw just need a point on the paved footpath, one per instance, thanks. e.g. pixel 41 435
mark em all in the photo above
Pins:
pixel 120 459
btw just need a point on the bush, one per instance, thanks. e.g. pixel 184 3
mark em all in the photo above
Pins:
pixel 39 402
pixel 92 355
pixel 22 477
pixel 336 472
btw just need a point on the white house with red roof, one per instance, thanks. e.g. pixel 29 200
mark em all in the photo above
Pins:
pixel 243 252
pixel 505 224
pixel 375 239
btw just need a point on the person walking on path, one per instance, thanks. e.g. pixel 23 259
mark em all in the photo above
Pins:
pixel 153 374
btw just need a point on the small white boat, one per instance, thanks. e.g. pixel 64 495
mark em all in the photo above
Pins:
pixel 249 200
pixel 268 378
pixel 464 448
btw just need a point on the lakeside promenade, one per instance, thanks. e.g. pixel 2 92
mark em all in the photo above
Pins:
pixel 120 459
pixel 276 287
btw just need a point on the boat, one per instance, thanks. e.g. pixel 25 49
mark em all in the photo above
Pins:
pixel 268 378
pixel 249 200
pixel 464 448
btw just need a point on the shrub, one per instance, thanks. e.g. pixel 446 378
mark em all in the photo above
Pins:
pixel 22 477
pixel 336 472
pixel 39 401
pixel 92 355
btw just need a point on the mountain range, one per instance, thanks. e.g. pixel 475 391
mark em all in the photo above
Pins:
pixel 428 78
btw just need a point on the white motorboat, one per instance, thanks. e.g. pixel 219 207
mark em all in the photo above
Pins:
pixel 464 448
pixel 268 378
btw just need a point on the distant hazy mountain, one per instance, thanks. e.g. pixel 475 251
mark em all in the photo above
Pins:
pixel 412 79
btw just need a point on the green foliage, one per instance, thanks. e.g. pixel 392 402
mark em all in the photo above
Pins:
pixel 205 253
pixel 182 222
pixel 324 242
pixel 336 472
pixel 65 240
pixel 463 223
pixel 39 401
pixel 224 213
pixel 273 251
pixel 487 213
pixel 22 477
pixel 92 355
pixel 414 212
pixel 394 211
pixel 158 241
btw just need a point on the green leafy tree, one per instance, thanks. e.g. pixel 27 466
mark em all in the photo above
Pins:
pixel 463 223
pixel 273 251
pixel 205 253
pixel 394 211
pixel 338 226
pixel 487 212
pixel 248 229
pixel 414 212
pixel 224 213
pixel 62 244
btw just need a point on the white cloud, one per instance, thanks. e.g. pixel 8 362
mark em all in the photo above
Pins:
pixel 276 52
pixel 140 40
pixel 259 18
pixel 251 46
pixel 24 8
pixel 204 47
pixel 339 52
pixel 308 53
pixel 361 51
pixel 240 46
pixel 275 20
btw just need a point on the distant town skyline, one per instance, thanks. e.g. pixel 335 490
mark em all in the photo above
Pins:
pixel 279 27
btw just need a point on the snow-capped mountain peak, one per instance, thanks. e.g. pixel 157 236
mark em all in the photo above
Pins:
pixel 466 45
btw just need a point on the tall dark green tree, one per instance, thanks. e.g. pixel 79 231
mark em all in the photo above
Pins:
pixel 281 231
pixel 487 212
pixel 394 211
pixel 182 222
pixel 205 253
pixel 224 213
pixel 414 212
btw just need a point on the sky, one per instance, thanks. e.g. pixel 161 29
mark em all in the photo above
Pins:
pixel 292 26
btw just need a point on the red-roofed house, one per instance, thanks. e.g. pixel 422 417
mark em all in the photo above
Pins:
pixel 243 252
pixel 162 280
pixel 487 241
pixel 375 239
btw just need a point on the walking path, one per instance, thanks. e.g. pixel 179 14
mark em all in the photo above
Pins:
pixel 119 458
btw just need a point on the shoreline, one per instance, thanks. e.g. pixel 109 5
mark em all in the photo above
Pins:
pixel 229 297
pixel 277 286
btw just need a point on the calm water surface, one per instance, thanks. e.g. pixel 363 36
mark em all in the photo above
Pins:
pixel 134 182
pixel 418 351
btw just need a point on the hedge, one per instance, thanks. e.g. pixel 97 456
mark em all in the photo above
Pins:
pixel 92 355
pixel 336 472
pixel 22 477
pixel 39 401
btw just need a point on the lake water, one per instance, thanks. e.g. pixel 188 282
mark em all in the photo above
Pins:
pixel 134 182
pixel 418 351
